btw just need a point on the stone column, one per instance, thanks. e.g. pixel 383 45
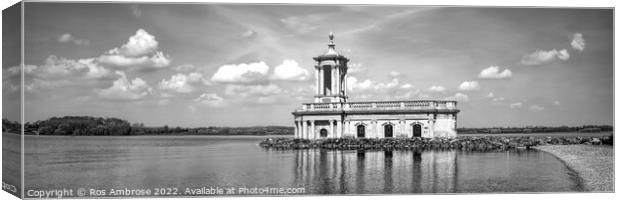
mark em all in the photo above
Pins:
pixel 334 80
pixel 377 129
pixel 296 129
pixel 339 128
pixel 304 130
pixel 312 131
pixel 337 69
pixel 317 81
pixel 321 81
pixel 345 84
pixel 331 128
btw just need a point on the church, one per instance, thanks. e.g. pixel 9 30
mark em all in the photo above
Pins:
pixel 332 115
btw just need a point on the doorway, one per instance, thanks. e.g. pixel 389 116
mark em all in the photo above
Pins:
pixel 417 130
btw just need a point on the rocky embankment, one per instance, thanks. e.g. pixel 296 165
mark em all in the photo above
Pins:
pixel 464 143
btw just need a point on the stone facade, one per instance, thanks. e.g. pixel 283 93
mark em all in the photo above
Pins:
pixel 332 116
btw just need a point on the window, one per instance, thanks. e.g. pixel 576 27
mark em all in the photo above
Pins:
pixel 361 131
pixel 323 133
pixel 387 131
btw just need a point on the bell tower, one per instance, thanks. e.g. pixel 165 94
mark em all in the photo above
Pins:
pixel 331 75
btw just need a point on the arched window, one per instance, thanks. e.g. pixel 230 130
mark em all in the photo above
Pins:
pixel 417 130
pixel 361 131
pixel 323 133
pixel 387 131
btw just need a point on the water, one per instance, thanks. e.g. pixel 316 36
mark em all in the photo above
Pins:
pixel 236 161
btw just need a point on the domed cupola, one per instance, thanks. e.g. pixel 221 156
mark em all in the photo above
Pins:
pixel 331 72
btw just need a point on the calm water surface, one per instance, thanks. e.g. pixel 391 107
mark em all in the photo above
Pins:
pixel 237 161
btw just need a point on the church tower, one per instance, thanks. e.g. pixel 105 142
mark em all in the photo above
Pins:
pixel 331 75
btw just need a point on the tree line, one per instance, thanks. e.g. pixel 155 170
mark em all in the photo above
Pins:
pixel 536 129
pixel 85 125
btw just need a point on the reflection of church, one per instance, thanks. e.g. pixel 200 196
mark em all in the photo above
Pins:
pixel 333 116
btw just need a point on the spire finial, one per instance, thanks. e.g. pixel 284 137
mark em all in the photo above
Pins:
pixel 331 38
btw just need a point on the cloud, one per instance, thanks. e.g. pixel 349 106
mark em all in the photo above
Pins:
pixel 459 97
pixel 299 23
pixel 66 38
pixel 56 67
pixel 556 103
pixel 536 107
pixel 541 57
pixel 252 90
pixel 354 85
pixel 135 11
pixel 210 99
pixel 139 51
pixel 182 83
pixel 241 73
pixel 406 86
pixel 248 33
pixel 469 86
pixel 578 43
pixel 140 44
pixel 123 89
pixel 185 67
pixel 516 105
pixel 498 99
pixel 493 72
pixel 158 60
pixel 491 95
pixel 395 74
pixel 289 70
pixel 437 88
pixel 356 68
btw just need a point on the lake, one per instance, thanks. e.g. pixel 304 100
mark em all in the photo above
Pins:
pixel 189 163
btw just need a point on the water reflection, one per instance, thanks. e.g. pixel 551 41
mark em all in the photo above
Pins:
pixel 359 171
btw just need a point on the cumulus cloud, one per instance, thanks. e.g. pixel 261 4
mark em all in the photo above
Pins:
pixel 469 86
pixel 536 107
pixel 490 95
pixel 437 88
pixel 498 99
pixel 241 73
pixel 516 105
pixel 556 103
pixel 252 90
pixel 458 97
pixel 355 85
pixel 182 83
pixel 139 51
pixel 210 99
pixel 157 60
pixel 540 57
pixel 68 38
pixel 140 44
pixel 291 71
pixel 578 43
pixel 123 89
pixel 356 68
pixel 493 72
pixel 406 86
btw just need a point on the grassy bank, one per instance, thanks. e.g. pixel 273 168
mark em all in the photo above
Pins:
pixel 594 164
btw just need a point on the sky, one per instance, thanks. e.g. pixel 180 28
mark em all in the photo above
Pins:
pixel 197 65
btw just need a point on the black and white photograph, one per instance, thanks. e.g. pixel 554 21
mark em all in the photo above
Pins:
pixel 144 99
